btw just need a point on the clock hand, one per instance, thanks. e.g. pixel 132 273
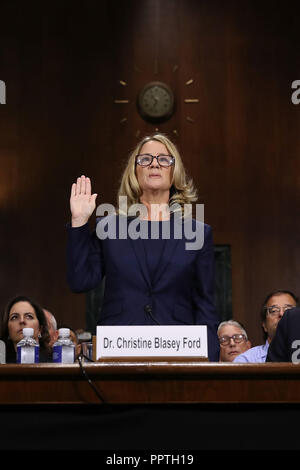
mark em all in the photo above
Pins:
pixel 156 99
pixel 154 103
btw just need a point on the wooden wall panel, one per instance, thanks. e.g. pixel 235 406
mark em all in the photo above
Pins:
pixel 62 63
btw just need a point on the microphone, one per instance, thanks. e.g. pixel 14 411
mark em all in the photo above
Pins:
pixel 148 309
pixel 2 352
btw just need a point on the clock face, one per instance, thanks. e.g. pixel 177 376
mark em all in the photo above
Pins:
pixel 156 101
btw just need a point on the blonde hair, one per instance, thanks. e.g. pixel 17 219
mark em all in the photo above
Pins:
pixel 183 190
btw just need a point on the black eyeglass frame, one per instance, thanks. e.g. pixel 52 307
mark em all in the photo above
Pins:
pixel 276 309
pixel 172 162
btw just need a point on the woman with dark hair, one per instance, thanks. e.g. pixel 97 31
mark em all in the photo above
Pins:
pixel 22 312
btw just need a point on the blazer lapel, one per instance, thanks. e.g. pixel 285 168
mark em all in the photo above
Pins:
pixel 171 246
pixel 139 250
pixel 169 251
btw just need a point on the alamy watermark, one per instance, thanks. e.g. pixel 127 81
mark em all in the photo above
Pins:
pixel 295 97
pixel 2 92
pixel 132 222
pixel 296 94
pixel 296 354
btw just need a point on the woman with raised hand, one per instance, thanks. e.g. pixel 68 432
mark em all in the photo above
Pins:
pixel 152 279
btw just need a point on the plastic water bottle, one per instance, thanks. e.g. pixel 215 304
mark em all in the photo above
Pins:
pixel 28 349
pixel 64 348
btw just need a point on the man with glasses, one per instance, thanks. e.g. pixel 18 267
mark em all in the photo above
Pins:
pixel 233 340
pixel 285 346
pixel 274 307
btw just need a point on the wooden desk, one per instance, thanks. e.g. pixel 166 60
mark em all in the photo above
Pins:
pixel 151 381
pixel 150 404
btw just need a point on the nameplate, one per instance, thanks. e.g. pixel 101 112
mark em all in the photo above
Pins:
pixel 156 340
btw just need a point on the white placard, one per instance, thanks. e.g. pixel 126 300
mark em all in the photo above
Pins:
pixel 148 340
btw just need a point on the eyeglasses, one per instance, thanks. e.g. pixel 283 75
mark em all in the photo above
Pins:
pixel 146 159
pixel 275 309
pixel 225 340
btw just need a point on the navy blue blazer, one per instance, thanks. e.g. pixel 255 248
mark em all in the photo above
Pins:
pixel 181 293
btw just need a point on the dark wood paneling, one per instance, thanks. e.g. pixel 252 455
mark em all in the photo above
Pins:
pixel 62 62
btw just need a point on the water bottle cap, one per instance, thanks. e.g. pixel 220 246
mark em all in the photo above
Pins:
pixel 64 332
pixel 28 331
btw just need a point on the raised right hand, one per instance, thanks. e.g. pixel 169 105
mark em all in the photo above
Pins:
pixel 82 201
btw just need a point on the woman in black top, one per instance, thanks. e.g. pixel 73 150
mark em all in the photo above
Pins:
pixel 22 312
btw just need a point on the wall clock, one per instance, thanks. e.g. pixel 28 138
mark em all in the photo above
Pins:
pixel 156 116
pixel 155 102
